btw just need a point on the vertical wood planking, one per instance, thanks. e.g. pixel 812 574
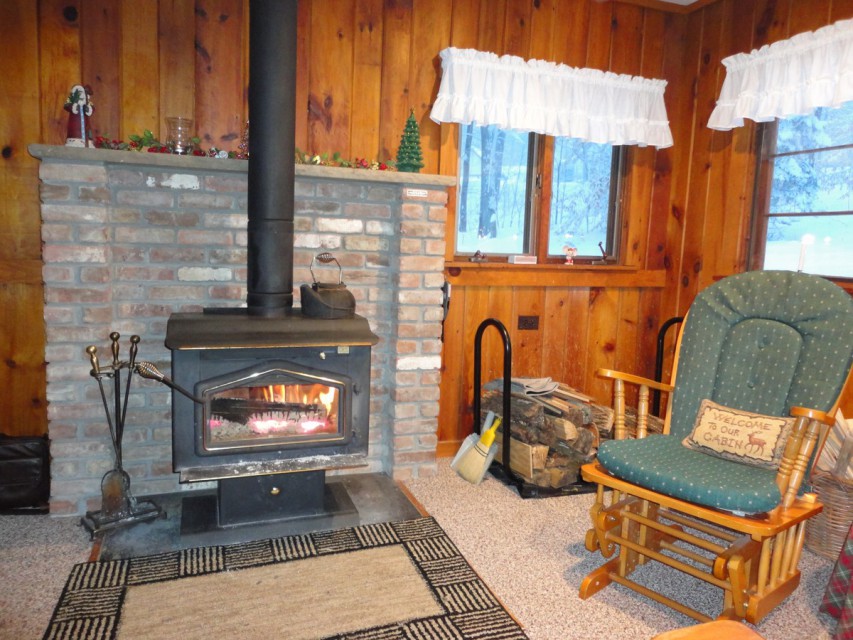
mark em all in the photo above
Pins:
pixel 430 34
pixel 628 354
pixel 101 40
pixel 331 69
pixel 475 301
pixel 22 372
pixel 600 34
pixel 660 253
pixel 527 343
pixel 303 54
pixel 575 369
pixel 543 18
pixel 244 74
pixel 682 198
pixel 219 85
pixel 140 68
pixel 601 344
pixel 452 399
pixel 58 58
pixel 367 77
pixel 841 10
pixel 710 181
pixel 704 182
pixel 808 16
pixel 627 40
pixel 517 29
pixel 465 16
pixel 627 29
pixel 571 33
pixel 642 179
pixel 490 36
pixel 555 325
pixel 499 307
pixel 465 24
pixel 734 157
pixel 176 52
pixel 20 232
pixel 396 56
pixel 771 21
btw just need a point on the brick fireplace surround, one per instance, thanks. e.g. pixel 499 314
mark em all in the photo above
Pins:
pixel 129 238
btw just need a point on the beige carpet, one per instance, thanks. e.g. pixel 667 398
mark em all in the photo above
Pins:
pixel 532 556
pixel 383 581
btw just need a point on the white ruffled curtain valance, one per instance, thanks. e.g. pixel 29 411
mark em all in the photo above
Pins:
pixel 788 78
pixel 549 98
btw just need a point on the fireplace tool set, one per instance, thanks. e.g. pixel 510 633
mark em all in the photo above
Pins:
pixel 118 506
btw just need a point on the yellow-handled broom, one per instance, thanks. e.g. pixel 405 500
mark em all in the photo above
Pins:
pixel 477 452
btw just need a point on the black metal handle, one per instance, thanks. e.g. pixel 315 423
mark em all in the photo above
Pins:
pixel 507 377
pixel 659 361
pixel 326 258
pixel 148 370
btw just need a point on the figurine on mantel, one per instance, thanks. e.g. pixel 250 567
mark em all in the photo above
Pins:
pixel 79 108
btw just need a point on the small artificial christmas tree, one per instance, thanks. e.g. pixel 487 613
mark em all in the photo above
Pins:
pixel 409 156
pixel 243 147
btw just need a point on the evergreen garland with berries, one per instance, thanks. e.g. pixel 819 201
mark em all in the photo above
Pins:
pixel 409 155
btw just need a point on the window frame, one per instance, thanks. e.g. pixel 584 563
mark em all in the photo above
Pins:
pixel 538 206
pixel 766 153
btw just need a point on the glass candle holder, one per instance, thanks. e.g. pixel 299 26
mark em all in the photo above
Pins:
pixel 179 134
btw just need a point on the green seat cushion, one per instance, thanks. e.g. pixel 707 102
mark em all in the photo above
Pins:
pixel 661 463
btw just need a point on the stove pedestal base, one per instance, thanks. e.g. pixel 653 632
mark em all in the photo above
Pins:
pixel 263 502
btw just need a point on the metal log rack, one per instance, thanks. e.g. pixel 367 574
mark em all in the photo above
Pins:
pixel 501 470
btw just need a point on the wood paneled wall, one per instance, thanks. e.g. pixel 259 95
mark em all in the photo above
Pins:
pixel 712 172
pixel 363 64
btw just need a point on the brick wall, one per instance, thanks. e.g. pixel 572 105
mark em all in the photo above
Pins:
pixel 130 238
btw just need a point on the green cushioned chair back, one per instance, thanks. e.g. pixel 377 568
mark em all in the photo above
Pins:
pixel 764 341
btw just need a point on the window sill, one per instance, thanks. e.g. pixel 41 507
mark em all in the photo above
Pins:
pixel 551 275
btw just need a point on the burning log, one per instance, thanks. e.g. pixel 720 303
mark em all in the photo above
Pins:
pixel 264 417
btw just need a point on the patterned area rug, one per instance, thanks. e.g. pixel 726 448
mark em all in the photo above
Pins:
pixel 401 580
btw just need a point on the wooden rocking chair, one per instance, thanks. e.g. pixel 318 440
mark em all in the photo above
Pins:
pixel 770 343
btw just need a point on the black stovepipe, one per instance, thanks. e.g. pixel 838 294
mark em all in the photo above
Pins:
pixel 272 147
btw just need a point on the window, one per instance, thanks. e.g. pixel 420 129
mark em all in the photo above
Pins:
pixel 804 202
pixel 503 209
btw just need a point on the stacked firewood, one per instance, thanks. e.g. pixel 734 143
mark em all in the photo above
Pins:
pixel 551 438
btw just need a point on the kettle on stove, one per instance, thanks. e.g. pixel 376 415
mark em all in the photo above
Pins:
pixel 327 300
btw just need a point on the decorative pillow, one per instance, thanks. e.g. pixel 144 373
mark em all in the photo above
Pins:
pixel 742 436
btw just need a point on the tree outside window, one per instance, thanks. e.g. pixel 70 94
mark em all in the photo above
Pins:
pixel 804 209
pixel 500 206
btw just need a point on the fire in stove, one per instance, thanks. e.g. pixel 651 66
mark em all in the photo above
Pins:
pixel 288 409
pixel 276 406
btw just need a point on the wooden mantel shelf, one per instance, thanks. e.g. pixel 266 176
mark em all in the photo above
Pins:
pixel 552 275
pixel 170 161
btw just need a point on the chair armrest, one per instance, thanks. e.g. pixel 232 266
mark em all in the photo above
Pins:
pixel 810 427
pixel 619 380
pixel 632 379
pixel 813 414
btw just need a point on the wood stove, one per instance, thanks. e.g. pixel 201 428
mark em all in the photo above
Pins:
pixel 276 402
pixel 272 395
pixel 272 398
